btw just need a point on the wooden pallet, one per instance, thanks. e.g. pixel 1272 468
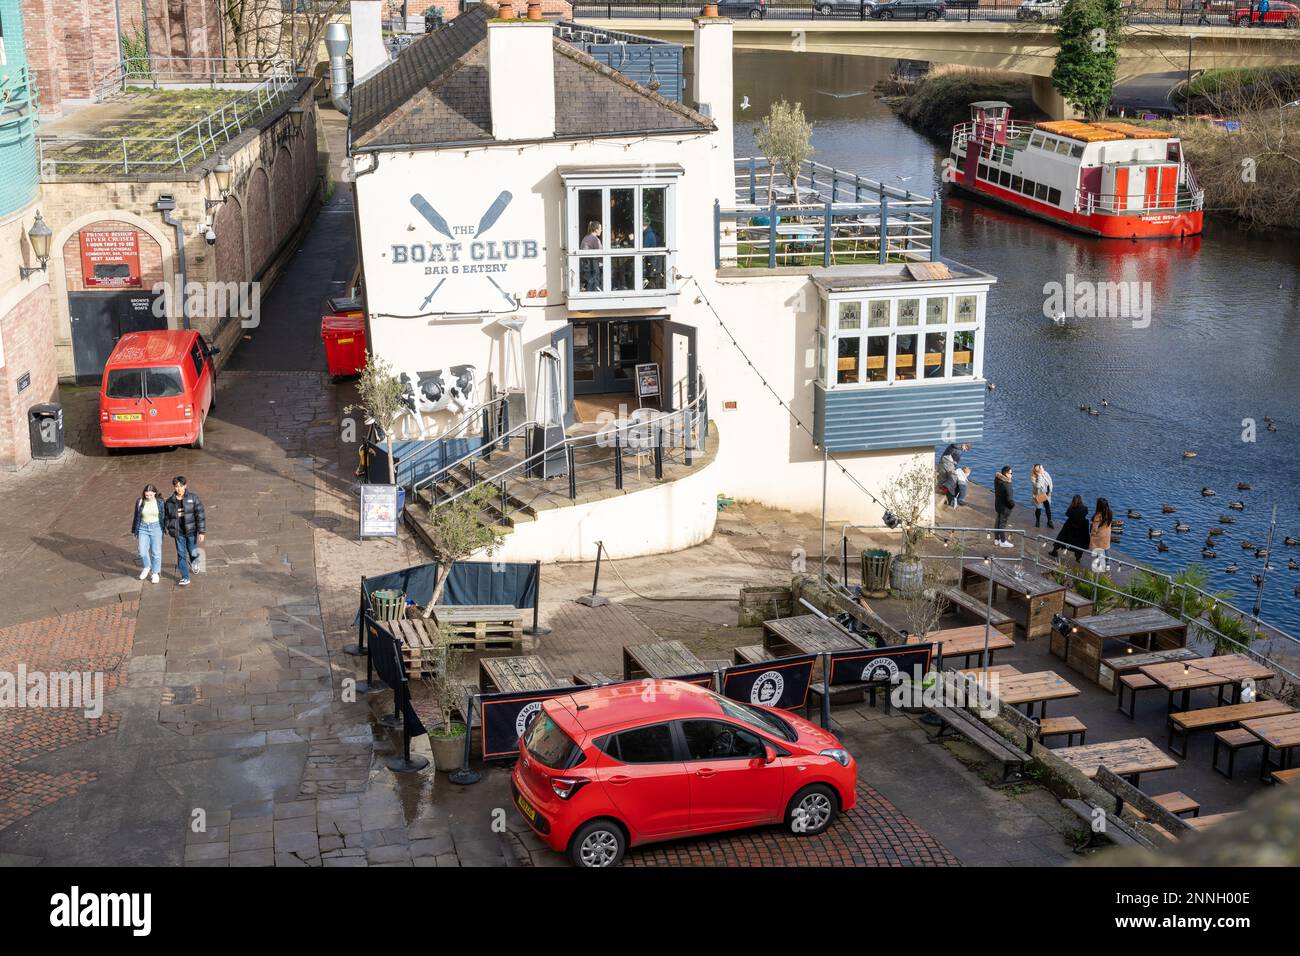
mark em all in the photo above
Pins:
pixel 480 627
pixel 417 647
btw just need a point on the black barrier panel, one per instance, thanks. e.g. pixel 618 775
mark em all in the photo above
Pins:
pixel 504 717
pixel 779 683
pixel 470 582
pixel 878 665
pixel 387 660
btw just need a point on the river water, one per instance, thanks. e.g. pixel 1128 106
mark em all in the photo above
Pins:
pixel 1222 348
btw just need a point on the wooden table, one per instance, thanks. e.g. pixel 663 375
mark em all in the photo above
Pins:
pixel 1034 598
pixel 1112 668
pixel 1183 677
pixel 482 625
pixel 1281 733
pixel 508 674
pixel 660 659
pixel 1037 687
pixel 1149 628
pixel 807 634
pixel 965 642
pixel 1124 758
pixel 1186 722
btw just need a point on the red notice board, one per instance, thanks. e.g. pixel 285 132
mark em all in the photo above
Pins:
pixel 110 260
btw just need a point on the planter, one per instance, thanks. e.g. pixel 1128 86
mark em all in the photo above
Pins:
pixel 759 604
pixel 906 574
pixel 448 751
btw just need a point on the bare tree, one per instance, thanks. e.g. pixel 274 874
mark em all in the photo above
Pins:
pixel 270 29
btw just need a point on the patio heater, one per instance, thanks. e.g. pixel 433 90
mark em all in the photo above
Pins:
pixel 512 369
pixel 546 451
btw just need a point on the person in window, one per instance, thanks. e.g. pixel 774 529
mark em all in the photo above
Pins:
pixel 186 523
pixel 1040 483
pixel 1004 500
pixel 146 526
pixel 649 238
pixel 591 272
pixel 1074 532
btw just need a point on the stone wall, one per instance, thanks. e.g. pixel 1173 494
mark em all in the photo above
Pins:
pixel 26 341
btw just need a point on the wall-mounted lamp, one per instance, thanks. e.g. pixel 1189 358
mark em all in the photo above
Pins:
pixel 223 171
pixel 296 114
pixel 39 236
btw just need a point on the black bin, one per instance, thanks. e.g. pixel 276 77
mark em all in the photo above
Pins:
pixel 45 426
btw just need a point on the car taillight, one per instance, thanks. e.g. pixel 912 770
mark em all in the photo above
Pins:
pixel 565 787
pixel 189 411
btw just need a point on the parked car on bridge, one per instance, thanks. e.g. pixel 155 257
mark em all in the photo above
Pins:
pixel 753 9
pixel 616 766
pixel 910 10
pixel 1040 10
pixel 1279 13
pixel 856 8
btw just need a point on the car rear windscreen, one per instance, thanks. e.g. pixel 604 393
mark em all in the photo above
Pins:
pixel 549 745
pixel 164 382
pixel 123 383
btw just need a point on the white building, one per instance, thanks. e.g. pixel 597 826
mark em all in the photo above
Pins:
pixel 482 157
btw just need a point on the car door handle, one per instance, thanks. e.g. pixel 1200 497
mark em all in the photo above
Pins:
pixel 706 772
pixel 619 779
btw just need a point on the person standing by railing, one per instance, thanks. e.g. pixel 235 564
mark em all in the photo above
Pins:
pixel 1004 501
pixel 1040 483
pixel 1074 535
pixel 1099 535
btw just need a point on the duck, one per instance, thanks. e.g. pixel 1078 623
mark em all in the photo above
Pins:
pixel 1293 565
pixel 1215 532
pixel 1208 492
pixel 1257 579
pixel 1226 519
pixel 1189 454
pixel 1135 515
pixel 1154 532
pixel 990 386
pixel 1296 592
pixel 1105 403
pixel 1209 553
pixel 1270 427
pixel 1093 412
pixel 1232 569
pixel 1209 542
pixel 1261 553
pixel 1182 528
pixel 1248 546
pixel 1237 505
pixel 1168 509
pixel 1243 486
pixel 1269 419
pixel 1290 542
pixel 1162 547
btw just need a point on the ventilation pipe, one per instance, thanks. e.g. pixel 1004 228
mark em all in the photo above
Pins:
pixel 336 44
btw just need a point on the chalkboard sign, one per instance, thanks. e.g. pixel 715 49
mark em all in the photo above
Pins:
pixel 647 382
pixel 379 511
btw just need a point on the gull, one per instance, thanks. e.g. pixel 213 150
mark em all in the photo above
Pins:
pixel 744 102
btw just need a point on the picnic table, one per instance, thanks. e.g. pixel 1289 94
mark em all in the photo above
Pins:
pixel 965 642
pixel 1034 598
pixel 660 659
pixel 1280 733
pixel 1183 677
pixel 1124 758
pixel 1113 667
pixel 1150 628
pixel 508 674
pixel 807 634
pixel 1037 687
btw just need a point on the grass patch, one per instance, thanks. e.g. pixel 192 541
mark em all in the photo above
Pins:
pixel 1216 83
pixel 941 99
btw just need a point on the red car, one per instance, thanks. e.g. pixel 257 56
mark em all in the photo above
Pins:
pixel 158 389
pixel 1279 12
pixel 633 763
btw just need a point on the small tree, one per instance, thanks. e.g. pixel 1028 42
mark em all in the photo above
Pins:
pixel 456 529
pixel 379 398
pixel 924 605
pixel 441 678
pixel 910 495
pixel 785 138
pixel 1089 35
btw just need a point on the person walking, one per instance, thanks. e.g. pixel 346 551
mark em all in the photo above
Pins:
pixel 1040 482
pixel 1003 503
pixel 1099 534
pixel 1204 18
pixel 187 525
pixel 146 527
pixel 1074 534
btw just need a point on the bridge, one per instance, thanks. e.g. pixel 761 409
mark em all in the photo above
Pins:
pixel 1028 48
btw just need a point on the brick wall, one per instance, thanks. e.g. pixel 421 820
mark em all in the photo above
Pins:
pixel 151 266
pixel 28 349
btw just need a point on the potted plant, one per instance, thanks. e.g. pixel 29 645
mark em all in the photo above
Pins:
pixel 447 738
pixel 379 399
pixel 908 500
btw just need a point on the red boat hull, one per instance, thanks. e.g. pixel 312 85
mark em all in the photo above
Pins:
pixel 1156 225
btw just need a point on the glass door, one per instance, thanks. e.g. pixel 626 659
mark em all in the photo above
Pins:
pixel 606 353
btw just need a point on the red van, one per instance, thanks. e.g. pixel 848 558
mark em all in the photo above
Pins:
pixel 158 389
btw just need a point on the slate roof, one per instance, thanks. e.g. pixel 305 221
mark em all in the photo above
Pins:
pixel 436 93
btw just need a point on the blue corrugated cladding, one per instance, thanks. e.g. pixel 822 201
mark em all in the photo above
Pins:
pixel 643 62
pixel 19 182
pixel 899 417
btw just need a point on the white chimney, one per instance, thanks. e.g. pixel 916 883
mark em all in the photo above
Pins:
pixel 368 50
pixel 521 79
pixel 715 98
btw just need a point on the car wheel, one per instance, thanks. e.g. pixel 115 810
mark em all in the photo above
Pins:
pixel 811 811
pixel 198 439
pixel 598 843
pixel 887 15
pixel 932 14
pixel 755 14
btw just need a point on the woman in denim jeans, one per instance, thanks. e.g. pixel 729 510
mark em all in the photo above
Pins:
pixel 147 528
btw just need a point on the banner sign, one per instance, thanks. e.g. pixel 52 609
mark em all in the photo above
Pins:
pixel 780 683
pixel 387 660
pixel 880 665
pixel 110 260
pixel 379 511
pixel 506 717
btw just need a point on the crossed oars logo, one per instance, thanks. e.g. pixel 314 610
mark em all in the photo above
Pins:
pixel 486 222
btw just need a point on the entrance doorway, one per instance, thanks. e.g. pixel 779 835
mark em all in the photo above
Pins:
pixel 99 319
pixel 606 353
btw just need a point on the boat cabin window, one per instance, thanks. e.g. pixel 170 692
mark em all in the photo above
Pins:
pixel 1076 150
pixel 903 339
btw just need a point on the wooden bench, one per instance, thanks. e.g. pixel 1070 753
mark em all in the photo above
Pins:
pixel 1063 726
pixel 1178 803
pixel 984 737
pixel 1076 605
pixel 1146 806
pixel 752 654
pixel 1232 740
pixel 1134 683
pixel 1116 830
pixel 1287 776
pixel 970 606
pixel 1186 722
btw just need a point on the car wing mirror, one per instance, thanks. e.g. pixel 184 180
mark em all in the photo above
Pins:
pixel 769 753
pixel 214 349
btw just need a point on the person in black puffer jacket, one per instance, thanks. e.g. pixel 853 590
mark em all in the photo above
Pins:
pixel 187 525
pixel 1075 533
pixel 1003 503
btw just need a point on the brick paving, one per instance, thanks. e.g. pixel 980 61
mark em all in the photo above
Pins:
pixel 873 833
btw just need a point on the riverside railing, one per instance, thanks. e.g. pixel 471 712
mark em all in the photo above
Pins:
pixel 186 148
pixel 826 217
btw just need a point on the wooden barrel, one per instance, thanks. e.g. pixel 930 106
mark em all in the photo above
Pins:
pixel 764 603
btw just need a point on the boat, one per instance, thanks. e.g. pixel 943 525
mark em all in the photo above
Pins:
pixel 1109 179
